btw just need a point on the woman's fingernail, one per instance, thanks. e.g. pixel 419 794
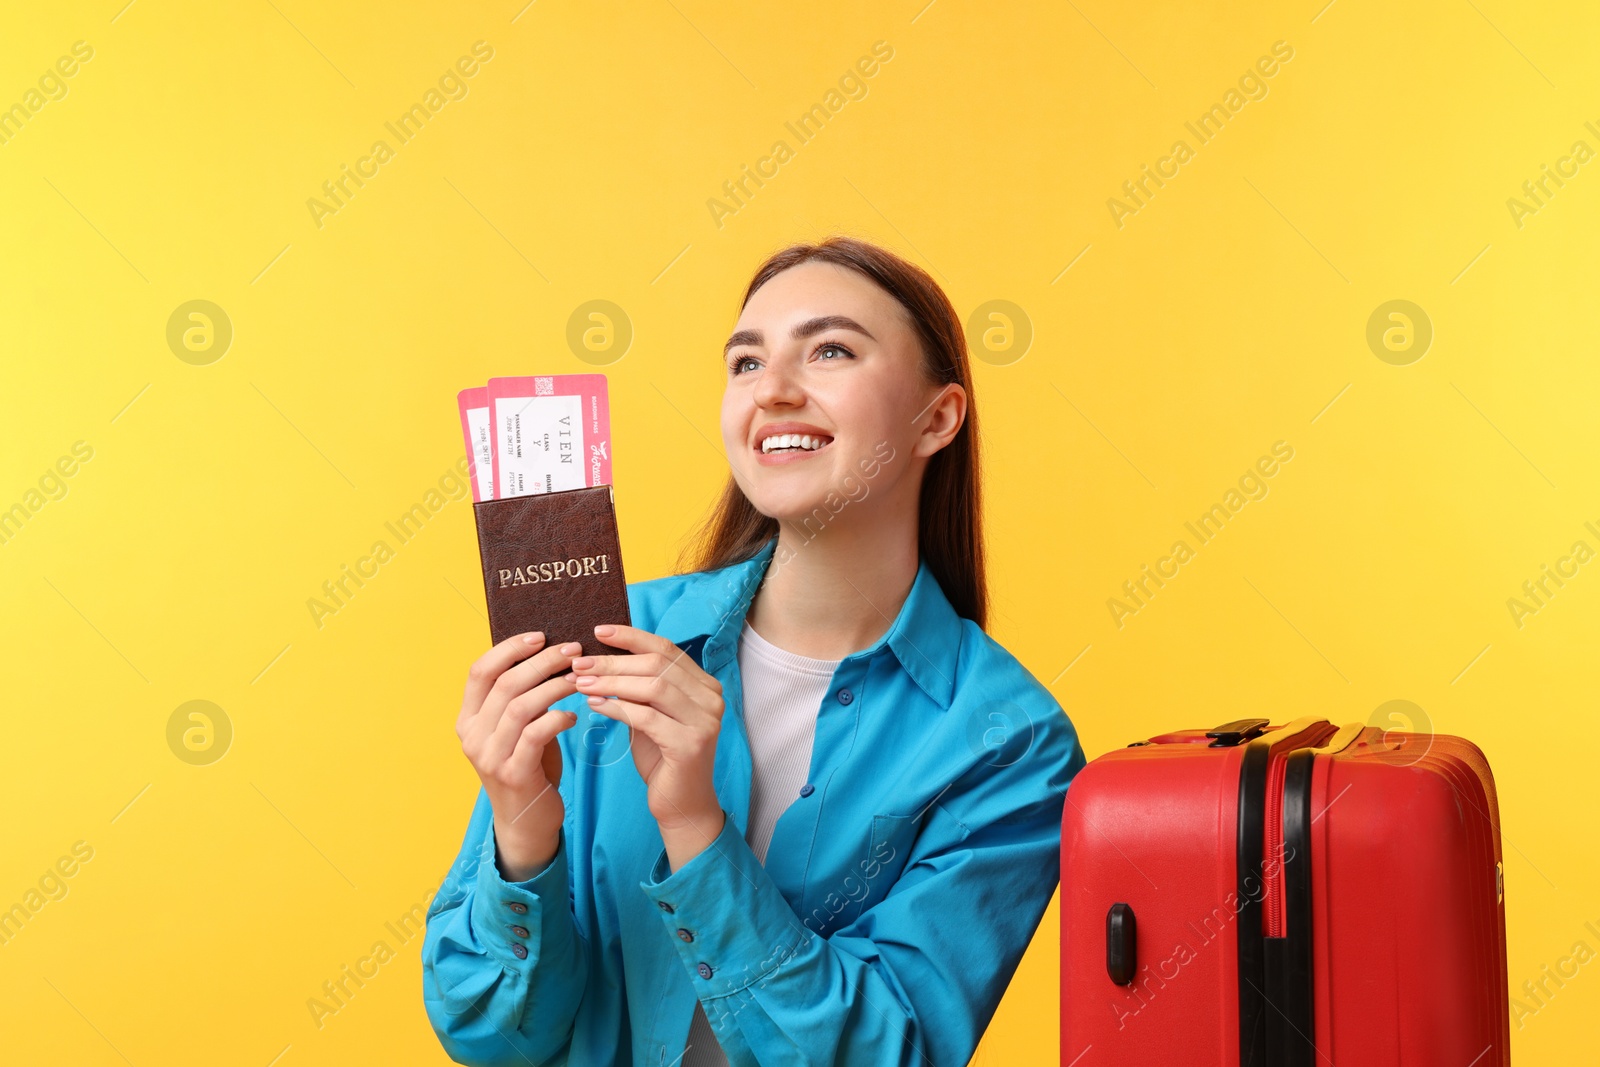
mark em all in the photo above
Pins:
pixel 533 638
pixel 587 680
pixel 571 648
pixel 583 663
pixel 604 630
pixel 595 702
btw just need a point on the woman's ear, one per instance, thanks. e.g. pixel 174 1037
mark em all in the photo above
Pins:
pixel 941 419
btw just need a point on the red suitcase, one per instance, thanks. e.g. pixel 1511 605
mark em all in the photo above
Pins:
pixel 1295 896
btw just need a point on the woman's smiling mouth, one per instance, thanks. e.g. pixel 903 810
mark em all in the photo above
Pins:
pixel 785 442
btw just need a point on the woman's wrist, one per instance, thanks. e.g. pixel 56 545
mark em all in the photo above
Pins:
pixel 522 852
pixel 685 836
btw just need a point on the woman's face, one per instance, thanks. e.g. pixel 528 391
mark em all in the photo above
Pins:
pixel 822 351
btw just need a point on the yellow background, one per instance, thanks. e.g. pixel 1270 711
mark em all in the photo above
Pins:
pixel 1230 312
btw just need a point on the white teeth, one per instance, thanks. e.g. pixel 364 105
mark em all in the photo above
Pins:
pixel 792 440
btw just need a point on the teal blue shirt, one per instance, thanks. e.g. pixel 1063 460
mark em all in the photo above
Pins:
pixel 900 889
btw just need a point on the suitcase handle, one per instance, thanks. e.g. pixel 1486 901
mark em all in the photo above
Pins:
pixel 1237 732
pixel 1122 955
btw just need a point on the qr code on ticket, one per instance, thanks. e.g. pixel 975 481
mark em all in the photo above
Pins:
pixel 544 386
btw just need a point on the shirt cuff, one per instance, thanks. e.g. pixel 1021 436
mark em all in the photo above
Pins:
pixel 726 917
pixel 517 922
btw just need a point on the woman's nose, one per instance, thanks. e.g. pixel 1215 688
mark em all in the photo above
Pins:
pixel 778 384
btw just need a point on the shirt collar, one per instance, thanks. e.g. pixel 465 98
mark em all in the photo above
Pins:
pixel 925 636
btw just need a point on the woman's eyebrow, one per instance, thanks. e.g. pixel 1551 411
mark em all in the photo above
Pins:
pixel 801 330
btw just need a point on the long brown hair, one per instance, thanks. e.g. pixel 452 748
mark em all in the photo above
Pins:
pixel 950 519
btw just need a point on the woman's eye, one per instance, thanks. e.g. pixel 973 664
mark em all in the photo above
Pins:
pixel 736 365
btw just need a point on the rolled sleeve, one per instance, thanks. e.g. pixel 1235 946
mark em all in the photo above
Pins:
pixel 534 915
pixel 503 963
pixel 725 916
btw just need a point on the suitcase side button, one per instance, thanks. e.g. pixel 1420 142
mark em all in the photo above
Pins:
pixel 1121 954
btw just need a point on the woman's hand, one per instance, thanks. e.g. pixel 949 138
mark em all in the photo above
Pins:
pixel 673 709
pixel 509 734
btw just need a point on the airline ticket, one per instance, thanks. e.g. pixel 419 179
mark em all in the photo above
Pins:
pixel 474 407
pixel 537 434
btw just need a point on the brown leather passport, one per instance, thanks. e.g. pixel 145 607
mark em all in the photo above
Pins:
pixel 553 562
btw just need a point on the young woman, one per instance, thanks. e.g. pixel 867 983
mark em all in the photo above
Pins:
pixel 814 816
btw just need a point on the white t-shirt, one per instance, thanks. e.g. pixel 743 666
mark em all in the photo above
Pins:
pixel 782 692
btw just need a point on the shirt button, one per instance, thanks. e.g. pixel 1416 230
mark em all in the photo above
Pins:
pixel 807 789
pixel 517 906
pixel 665 906
pixel 520 931
pixel 703 970
pixel 684 934
pixel 845 696
pixel 520 951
